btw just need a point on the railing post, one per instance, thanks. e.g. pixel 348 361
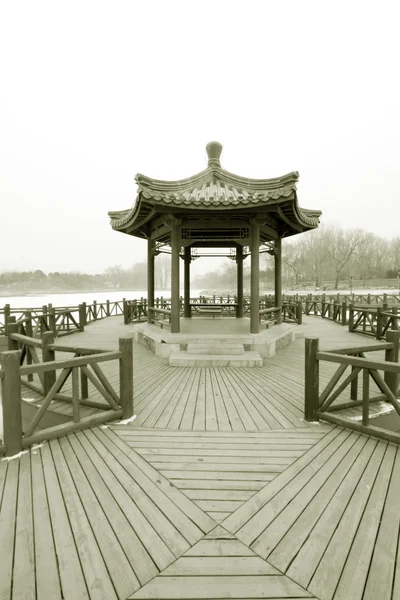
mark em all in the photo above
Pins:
pixel 392 355
pixel 125 310
pixel 12 327
pixel 344 312
pixel 11 401
pixel 44 322
pixel 351 317
pixel 365 400
pixel 394 320
pixel 354 386
pixel 7 310
pixel 107 308
pixel 48 355
pixel 84 386
pixel 311 381
pixel 10 319
pixel 385 308
pixel 82 316
pixel 307 309
pixel 95 310
pixel 52 320
pixel 126 377
pixel 29 333
pixel 299 312
pixel 379 323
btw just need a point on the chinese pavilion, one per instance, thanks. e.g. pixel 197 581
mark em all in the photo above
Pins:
pixel 215 209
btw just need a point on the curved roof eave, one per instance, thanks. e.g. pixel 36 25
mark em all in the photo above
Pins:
pixel 214 189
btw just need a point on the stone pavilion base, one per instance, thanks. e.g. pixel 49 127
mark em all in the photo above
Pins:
pixel 215 342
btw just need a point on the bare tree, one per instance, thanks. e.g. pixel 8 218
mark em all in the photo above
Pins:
pixel 293 257
pixel 316 261
pixel 341 246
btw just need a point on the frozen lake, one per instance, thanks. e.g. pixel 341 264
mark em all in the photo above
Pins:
pixel 76 298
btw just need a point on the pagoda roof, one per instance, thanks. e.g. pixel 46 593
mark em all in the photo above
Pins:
pixel 212 190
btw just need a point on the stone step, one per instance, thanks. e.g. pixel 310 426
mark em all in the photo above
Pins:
pixel 215 348
pixel 183 359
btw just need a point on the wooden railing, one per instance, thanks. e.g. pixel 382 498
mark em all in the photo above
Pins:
pixel 23 361
pixel 160 316
pixel 364 299
pixel 321 405
pixel 62 320
pixel 373 321
pixel 135 311
pixel 270 316
pixel 292 311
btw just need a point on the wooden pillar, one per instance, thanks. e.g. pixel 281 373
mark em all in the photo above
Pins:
pixel 278 277
pixel 255 277
pixel 150 278
pixel 239 263
pixel 175 300
pixel 186 294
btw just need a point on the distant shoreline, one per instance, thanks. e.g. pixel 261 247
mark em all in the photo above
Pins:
pixel 24 293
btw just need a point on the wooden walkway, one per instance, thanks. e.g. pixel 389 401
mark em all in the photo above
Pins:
pixel 218 489
pixel 216 399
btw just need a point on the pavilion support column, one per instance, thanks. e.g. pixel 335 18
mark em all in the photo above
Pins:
pixel 278 277
pixel 186 289
pixel 255 277
pixel 175 299
pixel 239 263
pixel 150 278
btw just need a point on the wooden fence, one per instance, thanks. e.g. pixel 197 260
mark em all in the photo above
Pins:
pixel 321 404
pixel 28 357
pixel 373 321
pixel 62 320
pixel 66 320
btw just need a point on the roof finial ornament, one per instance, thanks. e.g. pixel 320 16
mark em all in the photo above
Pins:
pixel 214 150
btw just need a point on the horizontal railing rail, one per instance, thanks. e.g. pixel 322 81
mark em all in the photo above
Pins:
pixel 353 363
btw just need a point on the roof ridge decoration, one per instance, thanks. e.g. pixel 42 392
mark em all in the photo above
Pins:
pixel 214 188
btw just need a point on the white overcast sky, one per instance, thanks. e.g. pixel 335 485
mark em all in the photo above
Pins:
pixel 93 92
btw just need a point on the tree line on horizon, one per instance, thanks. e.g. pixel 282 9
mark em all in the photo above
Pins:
pixel 329 254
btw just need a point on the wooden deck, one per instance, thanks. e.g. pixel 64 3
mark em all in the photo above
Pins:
pixel 217 399
pixel 218 489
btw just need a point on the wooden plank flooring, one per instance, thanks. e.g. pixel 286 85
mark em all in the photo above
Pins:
pixel 86 517
pixel 218 489
pixel 325 525
pixel 219 471
pixel 217 399
pixel 220 566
